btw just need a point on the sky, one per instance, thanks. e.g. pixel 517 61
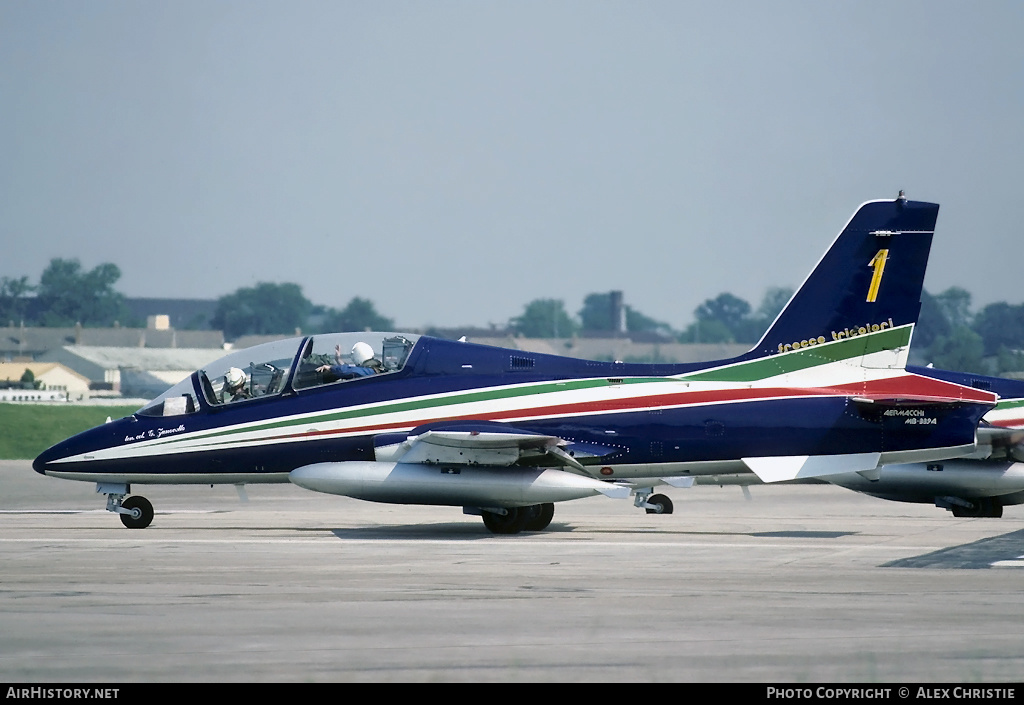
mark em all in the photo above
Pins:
pixel 453 161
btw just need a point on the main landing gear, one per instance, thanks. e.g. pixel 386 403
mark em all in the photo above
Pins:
pixel 536 517
pixel 989 507
pixel 136 512
pixel 512 520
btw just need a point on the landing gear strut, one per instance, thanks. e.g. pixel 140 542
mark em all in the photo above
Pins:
pixel 136 512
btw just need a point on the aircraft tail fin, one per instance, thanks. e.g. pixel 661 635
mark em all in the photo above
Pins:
pixel 867 287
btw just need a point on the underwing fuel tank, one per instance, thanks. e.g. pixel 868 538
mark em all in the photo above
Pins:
pixel 417 483
pixel 922 482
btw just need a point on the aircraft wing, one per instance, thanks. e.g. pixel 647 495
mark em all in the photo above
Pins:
pixel 488 444
pixel 483 448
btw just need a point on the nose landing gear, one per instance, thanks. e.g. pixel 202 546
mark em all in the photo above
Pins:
pixel 136 512
pixel 652 503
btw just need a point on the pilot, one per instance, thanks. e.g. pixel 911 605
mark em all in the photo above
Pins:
pixel 362 354
pixel 235 385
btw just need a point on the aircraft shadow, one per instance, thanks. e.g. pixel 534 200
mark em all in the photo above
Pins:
pixel 472 532
pixel 977 555
pixel 803 534
pixel 429 532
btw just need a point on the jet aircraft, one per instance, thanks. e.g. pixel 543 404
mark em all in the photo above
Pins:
pixel 978 484
pixel 505 434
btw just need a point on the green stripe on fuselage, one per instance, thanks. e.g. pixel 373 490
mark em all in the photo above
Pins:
pixel 412 405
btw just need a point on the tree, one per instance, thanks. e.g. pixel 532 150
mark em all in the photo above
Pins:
pixel 28 380
pixel 599 314
pixel 358 315
pixel 727 308
pixel 67 295
pixel 732 312
pixel 961 351
pixel 707 331
pixel 545 318
pixel 728 318
pixel 772 303
pixel 13 299
pixel 955 304
pixel 1009 361
pixel 265 309
pixel 637 322
pixel 1000 325
pixel 932 323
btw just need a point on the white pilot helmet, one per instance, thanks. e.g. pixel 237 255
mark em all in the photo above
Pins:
pixel 361 352
pixel 234 378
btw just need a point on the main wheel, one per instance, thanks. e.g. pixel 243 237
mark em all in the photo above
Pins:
pixel 539 516
pixel 142 513
pixel 510 523
pixel 985 507
pixel 662 504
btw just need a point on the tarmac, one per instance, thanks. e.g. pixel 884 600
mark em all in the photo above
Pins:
pixel 801 584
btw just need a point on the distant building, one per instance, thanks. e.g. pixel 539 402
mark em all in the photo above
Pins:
pixel 21 343
pixel 49 377
pixel 132 372
pixel 618 348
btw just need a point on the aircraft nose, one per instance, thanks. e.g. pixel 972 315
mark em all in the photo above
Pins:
pixel 46 460
pixel 66 455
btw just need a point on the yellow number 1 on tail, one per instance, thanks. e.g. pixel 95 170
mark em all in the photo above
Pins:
pixel 878 262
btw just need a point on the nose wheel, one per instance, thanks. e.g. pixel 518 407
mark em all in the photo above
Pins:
pixel 659 504
pixel 140 512
pixel 652 503
pixel 136 512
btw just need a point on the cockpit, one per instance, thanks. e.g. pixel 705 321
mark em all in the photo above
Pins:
pixel 295 364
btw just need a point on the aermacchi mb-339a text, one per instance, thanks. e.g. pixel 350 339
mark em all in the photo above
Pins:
pixel 408 419
pixel 978 483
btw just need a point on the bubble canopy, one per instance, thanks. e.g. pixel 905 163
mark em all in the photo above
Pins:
pixel 295 363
